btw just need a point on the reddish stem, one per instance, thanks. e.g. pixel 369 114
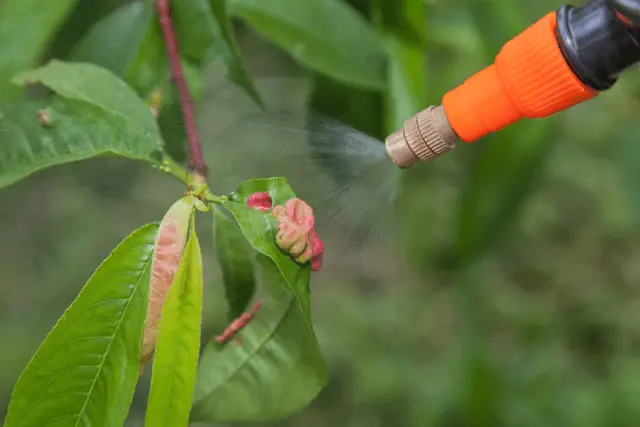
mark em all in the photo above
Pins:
pixel 177 76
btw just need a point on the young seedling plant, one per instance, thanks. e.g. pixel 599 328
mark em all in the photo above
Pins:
pixel 144 302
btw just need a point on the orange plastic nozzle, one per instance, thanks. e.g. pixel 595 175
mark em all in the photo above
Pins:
pixel 529 78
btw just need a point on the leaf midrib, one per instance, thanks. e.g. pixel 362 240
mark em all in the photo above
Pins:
pixel 100 366
pixel 254 352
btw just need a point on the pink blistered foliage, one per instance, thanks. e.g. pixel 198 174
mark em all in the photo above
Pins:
pixel 317 248
pixel 295 221
pixel 296 233
pixel 260 201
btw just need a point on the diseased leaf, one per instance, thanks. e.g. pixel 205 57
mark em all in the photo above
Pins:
pixel 25 29
pixel 76 131
pixel 279 368
pixel 260 230
pixel 176 360
pixel 205 35
pixel 276 372
pixel 96 86
pixel 115 41
pixel 278 188
pixel 325 35
pixel 85 371
pixel 169 249
pixel 235 261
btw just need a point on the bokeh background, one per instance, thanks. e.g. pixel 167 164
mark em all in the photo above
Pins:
pixel 504 292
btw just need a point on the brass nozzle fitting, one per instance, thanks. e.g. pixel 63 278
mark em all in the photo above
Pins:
pixel 424 136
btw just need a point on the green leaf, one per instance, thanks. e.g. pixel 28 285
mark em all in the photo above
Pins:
pixel 176 359
pixel 25 29
pixel 169 249
pixel 404 19
pixel 205 35
pixel 497 23
pixel 325 35
pixel 115 41
pixel 77 131
pixel 96 86
pixel 235 261
pixel 260 230
pixel 406 90
pixel 406 94
pixel 276 372
pixel 627 156
pixel 85 371
pixel 129 43
pixel 279 368
pixel 505 173
pixel 148 70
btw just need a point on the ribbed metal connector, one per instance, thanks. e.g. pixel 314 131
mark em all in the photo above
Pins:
pixel 424 136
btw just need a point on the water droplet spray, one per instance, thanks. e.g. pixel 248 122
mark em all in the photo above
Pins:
pixel 344 174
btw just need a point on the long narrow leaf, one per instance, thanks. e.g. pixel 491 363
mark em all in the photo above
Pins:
pixel 234 257
pixel 176 359
pixel 85 371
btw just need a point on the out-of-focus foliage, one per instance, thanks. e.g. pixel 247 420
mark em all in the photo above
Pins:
pixel 510 295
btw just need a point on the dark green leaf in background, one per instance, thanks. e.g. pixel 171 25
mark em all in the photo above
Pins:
pixel 403 18
pixel 176 356
pixel 234 257
pixel 80 21
pixel 496 23
pixel 504 175
pixel 324 35
pixel 205 36
pixel 25 29
pixel 85 371
pixel 406 94
pixel 115 41
pixel 404 23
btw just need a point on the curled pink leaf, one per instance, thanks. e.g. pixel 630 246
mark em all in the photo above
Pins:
pixel 260 201
pixel 167 254
pixel 317 250
pixel 299 212
pixel 296 234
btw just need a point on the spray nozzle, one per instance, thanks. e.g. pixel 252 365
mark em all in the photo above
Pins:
pixel 561 60
pixel 423 137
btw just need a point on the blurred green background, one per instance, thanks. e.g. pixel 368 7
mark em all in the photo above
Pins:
pixel 506 294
